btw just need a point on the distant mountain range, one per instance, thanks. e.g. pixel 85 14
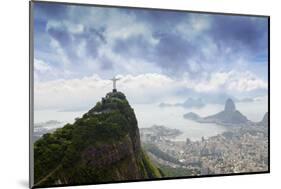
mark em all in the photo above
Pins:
pixel 204 100
pixel 45 127
pixel 189 103
pixel 48 123
pixel 230 116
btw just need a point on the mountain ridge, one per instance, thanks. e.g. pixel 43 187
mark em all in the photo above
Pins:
pixel 101 146
pixel 264 121
pixel 228 117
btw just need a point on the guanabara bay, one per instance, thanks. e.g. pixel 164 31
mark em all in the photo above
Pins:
pixel 101 146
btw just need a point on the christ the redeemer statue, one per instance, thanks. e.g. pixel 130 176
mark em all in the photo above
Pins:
pixel 114 79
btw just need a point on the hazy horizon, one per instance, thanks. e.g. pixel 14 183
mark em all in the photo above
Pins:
pixel 189 59
pixel 171 117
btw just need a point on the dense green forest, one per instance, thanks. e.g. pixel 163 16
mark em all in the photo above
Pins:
pixel 103 145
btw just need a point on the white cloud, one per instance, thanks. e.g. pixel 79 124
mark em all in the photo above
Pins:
pixel 126 65
pixel 118 24
pixel 44 71
pixel 66 25
pixel 193 26
pixel 60 52
pixel 112 22
pixel 232 81
pixel 64 94
pixel 133 28
pixel 142 88
pixel 41 68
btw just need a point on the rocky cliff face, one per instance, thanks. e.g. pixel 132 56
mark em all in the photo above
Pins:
pixel 229 106
pixel 102 146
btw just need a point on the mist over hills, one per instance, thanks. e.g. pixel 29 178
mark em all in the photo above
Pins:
pixel 201 100
pixel 189 103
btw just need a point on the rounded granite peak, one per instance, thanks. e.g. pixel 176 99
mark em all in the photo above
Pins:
pixel 229 105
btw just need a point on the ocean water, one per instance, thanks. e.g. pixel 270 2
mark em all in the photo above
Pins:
pixel 172 117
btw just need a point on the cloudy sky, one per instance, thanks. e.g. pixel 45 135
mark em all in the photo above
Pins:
pixel 161 56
